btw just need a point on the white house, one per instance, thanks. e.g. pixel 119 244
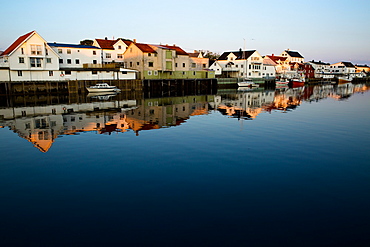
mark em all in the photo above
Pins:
pixel 112 50
pixel 293 56
pixel 239 64
pixel 29 58
pixel 321 69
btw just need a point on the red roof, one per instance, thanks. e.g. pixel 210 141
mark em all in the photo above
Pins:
pixel 107 44
pixel 178 50
pixel 16 43
pixel 145 48
pixel 276 58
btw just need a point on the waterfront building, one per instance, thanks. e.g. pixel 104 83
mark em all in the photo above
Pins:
pixel 163 62
pixel 292 56
pixel 112 50
pixel 363 68
pixel 239 64
pixel 321 69
pixel 282 66
pixel 31 58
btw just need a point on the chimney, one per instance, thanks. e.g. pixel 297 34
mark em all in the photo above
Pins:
pixel 273 54
pixel 135 41
pixel 106 38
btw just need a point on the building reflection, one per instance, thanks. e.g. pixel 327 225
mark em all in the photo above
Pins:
pixel 42 125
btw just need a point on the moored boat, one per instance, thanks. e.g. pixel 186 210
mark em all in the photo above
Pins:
pixel 247 83
pixel 102 87
pixel 296 82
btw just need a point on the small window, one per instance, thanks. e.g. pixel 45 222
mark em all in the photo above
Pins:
pixel 150 64
pixel 48 60
pixel 60 51
pixel 149 54
pixel 60 60
pixel 77 61
pixel 124 72
pixel 51 73
pixel 22 51
pixel 94 72
pixel 149 72
pixel 119 56
pixel 69 61
pixel 94 52
pixel 69 51
pixel 95 62
pixel 68 72
pixel 119 47
pixel 21 60
pixel 183 65
pixel 137 63
pixel 20 73
pixel 108 55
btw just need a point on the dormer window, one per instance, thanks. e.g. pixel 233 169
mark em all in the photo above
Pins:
pixel 119 47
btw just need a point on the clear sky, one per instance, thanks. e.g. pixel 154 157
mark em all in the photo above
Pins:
pixel 326 30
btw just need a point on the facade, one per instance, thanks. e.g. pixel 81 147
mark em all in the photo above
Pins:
pixel 112 50
pixel 162 62
pixel 292 56
pixel 239 64
pixel 31 58
pixel 321 69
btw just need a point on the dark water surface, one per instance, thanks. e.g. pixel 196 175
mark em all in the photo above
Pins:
pixel 292 169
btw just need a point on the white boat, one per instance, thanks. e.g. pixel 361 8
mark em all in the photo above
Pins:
pixel 247 83
pixel 282 82
pixel 102 87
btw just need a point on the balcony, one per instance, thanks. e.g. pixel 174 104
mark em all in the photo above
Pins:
pixel 102 66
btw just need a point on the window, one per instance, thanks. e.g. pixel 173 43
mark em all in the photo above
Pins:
pixel 137 63
pixel 119 55
pixel 94 52
pixel 149 72
pixel 60 60
pixel 155 72
pixel 124 72
pixel 150 64
pixel 183 65
pixel 69 51
pixel 149 54
pixel 35 62
pixel 95 62
pixel 77 61
pixel 130 64
pixel 108 55
pixel 20 73
pixel 60 51
pixel 119 47
pixel 94 72
pixel 176 65
pixel 48 60
pixel 21 60
pixel 204 65
pixel 69 61
pixel 22 51
pixel 68 72
pixel 193 65
pixel 51 73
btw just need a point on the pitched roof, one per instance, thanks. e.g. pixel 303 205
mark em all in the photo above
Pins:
pixel 239 54
pixel 294 53
pixel 16 43
pixel 348 64
pixel 277 58
pixel 319 62
pixel 72 46
pixel 106 43
pixel 145 48
pixel 178 50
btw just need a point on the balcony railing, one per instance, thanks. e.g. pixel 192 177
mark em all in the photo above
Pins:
pixel 102 66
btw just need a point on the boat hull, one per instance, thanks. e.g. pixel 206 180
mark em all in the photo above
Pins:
pixel 99 90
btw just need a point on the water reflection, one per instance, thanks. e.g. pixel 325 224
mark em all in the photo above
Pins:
pixel 42 124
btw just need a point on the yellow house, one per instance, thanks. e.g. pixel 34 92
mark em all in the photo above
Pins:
pixel 162 62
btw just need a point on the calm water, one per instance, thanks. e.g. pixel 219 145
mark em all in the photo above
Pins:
pixel 258 168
